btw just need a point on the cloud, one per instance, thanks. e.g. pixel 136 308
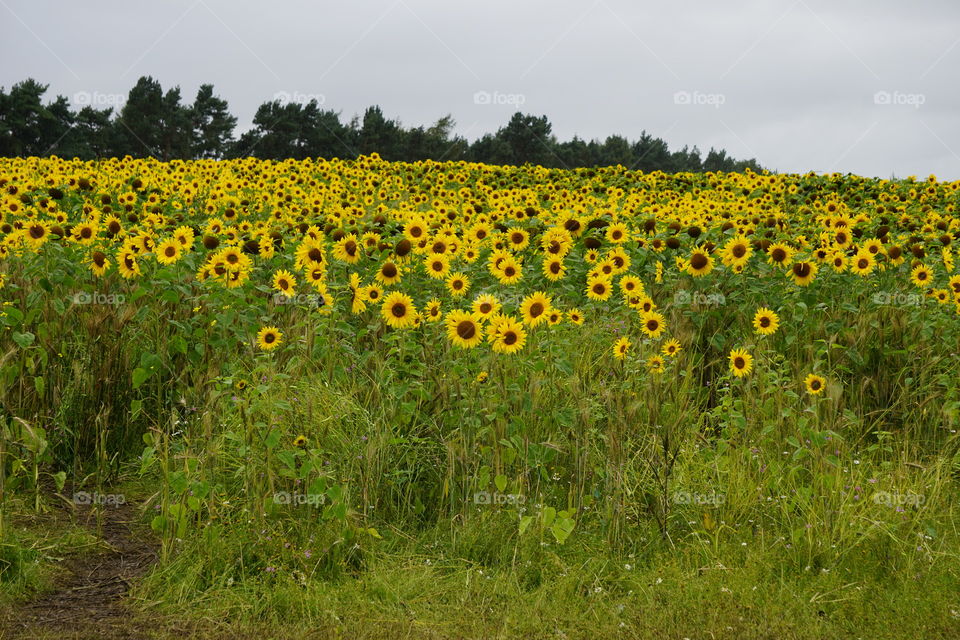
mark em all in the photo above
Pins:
pixel 795 80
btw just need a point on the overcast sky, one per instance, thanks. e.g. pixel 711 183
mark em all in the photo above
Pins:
pixel 866 87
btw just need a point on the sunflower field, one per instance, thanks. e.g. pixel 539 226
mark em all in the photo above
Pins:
pixel 528 387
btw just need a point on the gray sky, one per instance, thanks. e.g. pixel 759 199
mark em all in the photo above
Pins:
pixel 867 87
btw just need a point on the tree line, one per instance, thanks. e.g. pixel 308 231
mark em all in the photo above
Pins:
pixel 161 124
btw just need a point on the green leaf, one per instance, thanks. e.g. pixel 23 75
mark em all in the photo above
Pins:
pixel 23 340
pixel 525 523
pixel 501 482
pixel 272 439
pixel 140 376
pixel 549 513
pixel 60 478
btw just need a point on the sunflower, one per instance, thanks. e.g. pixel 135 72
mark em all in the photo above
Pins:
pixel 920 276
pixel 509 271
pixel 300 441
pixel 508 336
pixel 736 251
pixel 127 264
pixel 415 229
pixel 814 384
pixel 655 364
pixel 168 252
pixel 535 308
pixel 398 310
pixel 269 338
pixel 84 233
pixel 374 293
pixel 99 263
pixel 554 269
pixel 620 348
pixel 631 285
pixel 652 324
pixel 458 284
pixel 741 362
pixel 765 321
pixel 184 236
pixel 284 282
pixel 779 254
pixel 941 295
pixel 575 316
pixel 486 305
pixel 36 232
pixel 954 284
pixel 617 233
pixel 555 317
pixel 803 273
pixel 700 263
pixel 432 311
pixel 863 263
pixel 437 266
pixel 839 262
pixel 518 239
pixel 347 249
pixel 464 328
pixel 671 347
pixel 599 289
pixel 482 377
pixel 389 273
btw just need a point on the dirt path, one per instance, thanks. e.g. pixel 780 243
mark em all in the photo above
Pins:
pixel 88 601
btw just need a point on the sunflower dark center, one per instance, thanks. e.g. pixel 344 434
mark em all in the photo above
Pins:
pixel 698 261
pixel 536 309
pixel 510 338
pixel 466 329
pixel 739 362
pixel 398 310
